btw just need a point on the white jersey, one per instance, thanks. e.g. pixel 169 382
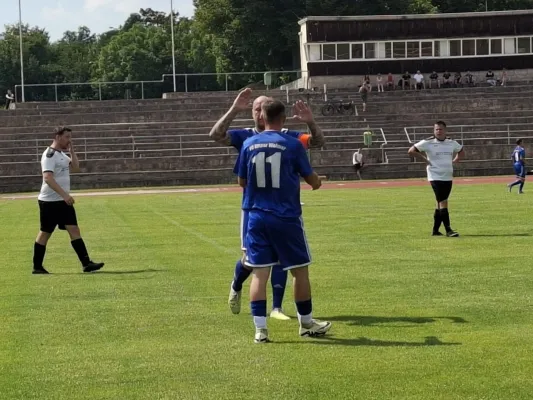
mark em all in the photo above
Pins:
pixel 59 163
pixel 440 154
pixel 357 158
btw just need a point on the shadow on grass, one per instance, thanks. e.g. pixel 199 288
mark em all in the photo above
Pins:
pixel 363 341
pixel 370 320
pixel 105 272
pixel 499 235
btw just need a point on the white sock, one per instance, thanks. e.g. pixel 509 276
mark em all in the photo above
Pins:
pixel 260 322
pixel 305 320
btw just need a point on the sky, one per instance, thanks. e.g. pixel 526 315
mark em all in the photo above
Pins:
pixel 58 16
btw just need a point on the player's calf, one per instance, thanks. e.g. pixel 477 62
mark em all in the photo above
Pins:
pixel 258 303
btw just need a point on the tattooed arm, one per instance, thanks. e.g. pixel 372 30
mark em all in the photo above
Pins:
pixel 219 132
pixel 317 136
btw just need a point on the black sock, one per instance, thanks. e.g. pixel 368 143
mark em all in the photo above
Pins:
pixel 445 217
pixel 81 251
pixel 38 255
pixel 521 186
pixel 437 221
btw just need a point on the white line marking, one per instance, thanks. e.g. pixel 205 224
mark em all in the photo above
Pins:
pixel 195 233
pixel 127 192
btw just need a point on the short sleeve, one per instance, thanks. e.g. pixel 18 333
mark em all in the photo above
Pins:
pixel 48 164
pixel 238 136
pixel 422 146
pixel 303 166
pixel 457 147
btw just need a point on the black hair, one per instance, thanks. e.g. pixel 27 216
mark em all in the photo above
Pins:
pixel 60 131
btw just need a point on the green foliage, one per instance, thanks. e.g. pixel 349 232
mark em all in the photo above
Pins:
pixel 224 36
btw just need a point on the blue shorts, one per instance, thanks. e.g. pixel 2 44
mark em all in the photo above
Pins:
pixel 272 240
pixel 520 170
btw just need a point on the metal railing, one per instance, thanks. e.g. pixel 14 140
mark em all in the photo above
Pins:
pixel 137 145
pixel 461 132
pixel 194 82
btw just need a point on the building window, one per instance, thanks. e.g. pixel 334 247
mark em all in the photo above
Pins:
pixel 455 48
pixel 357 50
pixel 314 52
pixel 427 49
pixel 398 49
pixel 329 52
pixel 343 51
pixel 469 47
pixel 482 47
pixel 388 50
pixel 523 45
pixel 370 50
pixel 509 45
pixel 384 50
pixel 442 48
pixel 495 46
pixel 413 49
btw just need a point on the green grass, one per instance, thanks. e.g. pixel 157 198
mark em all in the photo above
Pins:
pixel 414 317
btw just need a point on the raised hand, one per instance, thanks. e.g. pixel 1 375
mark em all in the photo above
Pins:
pixel 302 112
pixel 243 100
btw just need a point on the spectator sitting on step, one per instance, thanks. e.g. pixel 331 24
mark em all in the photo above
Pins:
pixel 469 79
pixel 490 78
pixel 434 79
pixel 419 81
pixel 504 77
pixel 446 79
pixel 406 80
pixel 10 100
pixel 390 81
pixel 457 79
pixel 358 163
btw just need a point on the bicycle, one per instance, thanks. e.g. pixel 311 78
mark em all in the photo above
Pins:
pixel 338 108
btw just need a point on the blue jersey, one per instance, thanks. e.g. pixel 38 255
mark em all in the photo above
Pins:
pixel 238 137
pixel 272 163
pixel 519 155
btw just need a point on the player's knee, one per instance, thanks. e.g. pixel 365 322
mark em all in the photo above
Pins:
pixel 73 231
pixel 261 274
pixel 298 273
pixel 43 237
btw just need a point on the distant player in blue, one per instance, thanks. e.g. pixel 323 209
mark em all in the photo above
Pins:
pixel 270 166
pixel 519 157
pixel 236 138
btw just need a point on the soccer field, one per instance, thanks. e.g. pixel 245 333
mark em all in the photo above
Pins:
pixel 414 317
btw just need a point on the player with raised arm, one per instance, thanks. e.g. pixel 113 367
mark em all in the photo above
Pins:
pixel 441 153
pixel 235 138
pixel 56 205
pixel 269 168
pixel 519 164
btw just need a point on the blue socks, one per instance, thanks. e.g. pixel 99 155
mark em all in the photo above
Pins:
pixel 521 185
pixel 259 313
pixel 240 275
pixel 279 282
pixel 305 312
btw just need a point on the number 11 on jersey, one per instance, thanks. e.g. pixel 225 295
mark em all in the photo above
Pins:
pixel 260 161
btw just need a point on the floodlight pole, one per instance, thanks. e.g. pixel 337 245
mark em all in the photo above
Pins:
pixel 21 54
pixel 173 47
